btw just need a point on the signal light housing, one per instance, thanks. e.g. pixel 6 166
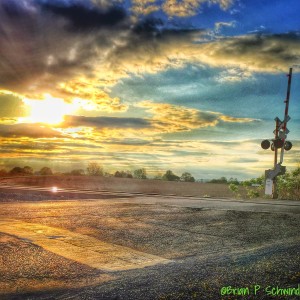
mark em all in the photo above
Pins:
pixel 288 146
pixel 265 144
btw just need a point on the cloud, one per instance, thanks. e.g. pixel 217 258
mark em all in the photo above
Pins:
pixel 84 94
pixel 224 4
pixel 149 49
pixel 40 47
pixel 261 53
pixel 220 25
pixel 163 118
pixel 183 8
pixel 57 45
pixel 144 7
pixel 234 75
pixel 11 106
pixel 44 51
pixel 106 122
pixel 106 3
pixel 176 8
pixel 160 50
pixel 129 142
pixel 82 18
pixel 243 160
pixel 28 130
pixel 235 120
pixel 172 118
pixel 34 49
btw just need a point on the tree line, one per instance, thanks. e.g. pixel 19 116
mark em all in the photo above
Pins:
pixel 27 170
pixel 95 169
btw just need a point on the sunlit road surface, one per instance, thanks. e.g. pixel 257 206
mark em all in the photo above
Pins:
pixel 80 248
pixel 145 246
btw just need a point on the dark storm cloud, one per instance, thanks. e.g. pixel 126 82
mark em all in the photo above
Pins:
pixel 17 59
pixel 150 34
pixel 45 42
pixel 106 122
pixel 13 9
pixel 83 17
pixel 148 28
pixel 155 28
pixel 36 48
pixel 55 41
pixel 27 130
pixel 258 52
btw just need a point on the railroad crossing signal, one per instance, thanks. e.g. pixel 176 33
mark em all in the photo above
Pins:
pixel 278 142
pixel 280 136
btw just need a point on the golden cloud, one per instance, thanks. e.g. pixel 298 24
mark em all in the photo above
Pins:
pixel 144 7
pixel 162 118
pixel 183 8
pixel 225 4
pixel 173 118
pixel 236 120
pixel 85 94
pixel 178 8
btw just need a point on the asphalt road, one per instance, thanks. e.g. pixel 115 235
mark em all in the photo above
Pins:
pixel 103 245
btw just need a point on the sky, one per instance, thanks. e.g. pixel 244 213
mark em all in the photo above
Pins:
pixel 188 86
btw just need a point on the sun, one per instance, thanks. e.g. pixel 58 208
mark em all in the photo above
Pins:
pixel 50 110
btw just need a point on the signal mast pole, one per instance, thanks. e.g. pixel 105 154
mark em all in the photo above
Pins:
pixel 286 112
pixel 279 141
pixel 274 188
pixel 284 129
